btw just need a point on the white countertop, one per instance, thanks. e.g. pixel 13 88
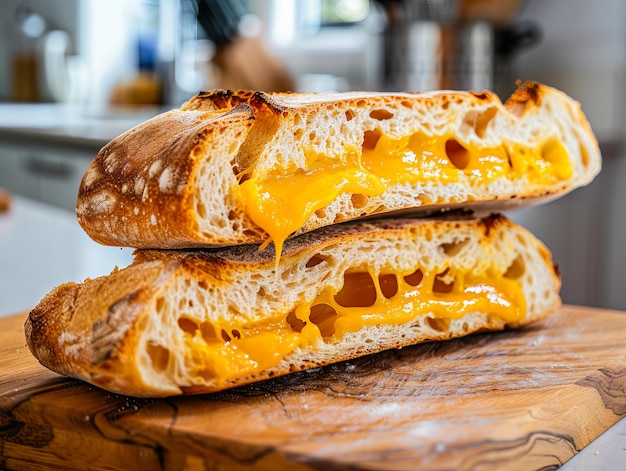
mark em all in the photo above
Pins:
pixel 77 124
pixel 42 246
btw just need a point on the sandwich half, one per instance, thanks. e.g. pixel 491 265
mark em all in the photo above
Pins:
pixel 195 321
pixel 234 168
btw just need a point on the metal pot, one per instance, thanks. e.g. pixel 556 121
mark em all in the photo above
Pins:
pixel 434 55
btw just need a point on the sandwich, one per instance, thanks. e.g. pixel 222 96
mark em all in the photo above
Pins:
pixel 196 321
pixel 233 168
pixel 277 232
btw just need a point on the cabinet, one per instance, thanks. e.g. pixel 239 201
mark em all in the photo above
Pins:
pixel 48 174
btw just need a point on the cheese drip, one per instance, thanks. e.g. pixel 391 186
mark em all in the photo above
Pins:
pixel 281 201
pixel 230 348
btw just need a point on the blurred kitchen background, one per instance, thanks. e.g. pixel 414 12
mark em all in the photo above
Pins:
pixel 76 73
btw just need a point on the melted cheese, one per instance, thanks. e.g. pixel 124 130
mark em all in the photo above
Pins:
pixel 232 349
pixel 282 201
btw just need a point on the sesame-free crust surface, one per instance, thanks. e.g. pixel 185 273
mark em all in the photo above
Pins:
pixel 524 399
pixel 176 181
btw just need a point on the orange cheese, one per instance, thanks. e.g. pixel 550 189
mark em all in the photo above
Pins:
pixel 230 349
pixel 282 201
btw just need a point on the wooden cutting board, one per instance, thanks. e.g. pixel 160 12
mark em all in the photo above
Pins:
pixel 526 399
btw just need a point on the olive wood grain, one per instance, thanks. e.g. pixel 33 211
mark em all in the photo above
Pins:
pixel 525 399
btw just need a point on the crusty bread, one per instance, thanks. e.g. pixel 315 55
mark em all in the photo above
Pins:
pixel 172 182
pixel 147 329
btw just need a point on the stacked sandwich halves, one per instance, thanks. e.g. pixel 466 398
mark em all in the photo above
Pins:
pixel 279 232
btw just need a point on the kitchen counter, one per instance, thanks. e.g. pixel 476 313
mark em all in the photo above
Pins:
pixel 68 124
pixel 46 148
pixel 42 246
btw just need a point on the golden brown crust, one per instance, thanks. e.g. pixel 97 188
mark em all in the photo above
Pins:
pixel 148 174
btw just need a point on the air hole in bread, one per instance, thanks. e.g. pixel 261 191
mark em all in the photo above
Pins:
pixel 235 170
pixel 370 139
pixel 521 240
pixel 160 304
pixel 516 269
pixel 358 290
pixel 160 356
pixel 361 103
pixel 232 149
pixel 508 158
pixel 443 283
pixel 457 154
pixel 208 332
pixel 439 324
pixel 201 210
pixel 315 260
pixel 349 115
pixel 187 325
pixel 298 133
pixel 312 136
pixel 323 316
pixel 552 151
pixel 415 278
pixel 406 104
pixel 453 248
pixel 294 322
pixel 203 284
pixel 381 115
pixel 321 213
pixel 479 120
pixel 388 284
pixel 584 155
pixel 358 201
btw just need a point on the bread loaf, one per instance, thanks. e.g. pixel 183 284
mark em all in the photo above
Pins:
pixel 195 321
pixel 240 167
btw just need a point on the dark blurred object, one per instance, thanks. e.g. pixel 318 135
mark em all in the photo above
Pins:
pixel 220 19
pixel 456 45
pixel 500 13
pixel 240 57
pixel 29 26
pixel 5 201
